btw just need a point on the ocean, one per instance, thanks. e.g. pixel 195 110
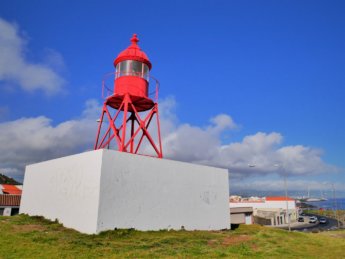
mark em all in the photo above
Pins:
pixel 330 204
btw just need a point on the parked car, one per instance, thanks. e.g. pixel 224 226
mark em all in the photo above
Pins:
pixel 300 219
pixel 323 220
pixel 312 219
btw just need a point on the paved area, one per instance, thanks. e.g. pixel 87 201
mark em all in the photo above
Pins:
pixel 296 225
pixel 306 226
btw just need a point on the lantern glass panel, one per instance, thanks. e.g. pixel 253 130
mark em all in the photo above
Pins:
pixel 124 67
pixel 132 68
pixel 137 68
pixel 146 74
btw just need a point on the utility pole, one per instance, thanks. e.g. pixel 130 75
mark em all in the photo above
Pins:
pixel 287 214
pixel 287 202
pixel 335 206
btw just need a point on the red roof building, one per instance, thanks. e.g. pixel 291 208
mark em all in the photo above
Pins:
pixel 10 189
pixel 278 198
pixel 9 204
pixel 9 200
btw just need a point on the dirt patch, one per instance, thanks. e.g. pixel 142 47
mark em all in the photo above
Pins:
pixel 340 235
pixel 28 228
pixel 254 247
pixel 234 240
pixel 212 242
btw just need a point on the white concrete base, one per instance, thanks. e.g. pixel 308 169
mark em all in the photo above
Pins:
pixel 105 189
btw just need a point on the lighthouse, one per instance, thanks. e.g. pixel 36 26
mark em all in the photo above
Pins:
pixel 111 188
pixel 132 107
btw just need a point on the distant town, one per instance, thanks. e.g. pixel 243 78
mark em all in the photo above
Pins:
pixel 275 211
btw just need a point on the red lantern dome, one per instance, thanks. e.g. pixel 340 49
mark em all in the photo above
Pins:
pixel 133 52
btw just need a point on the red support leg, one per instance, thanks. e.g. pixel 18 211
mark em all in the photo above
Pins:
pixel 133 142
pixel 124 123
pixel 99 128
pixel 132 132
pixel 159 133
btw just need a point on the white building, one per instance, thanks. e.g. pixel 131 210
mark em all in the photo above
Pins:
pixel 242 215
pixel 9 204
pixel 267 210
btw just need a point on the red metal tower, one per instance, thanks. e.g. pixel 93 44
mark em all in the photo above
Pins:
pixel 130 103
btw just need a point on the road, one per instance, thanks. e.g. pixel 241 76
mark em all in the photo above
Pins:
pixel 309 227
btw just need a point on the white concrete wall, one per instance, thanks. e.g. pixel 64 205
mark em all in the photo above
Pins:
pixel 249 219
pixel 147 193
pixel 264 205
pixel 254 205
pixel 282 204
pixel 106 189
pixel 66 189
pixel 7 211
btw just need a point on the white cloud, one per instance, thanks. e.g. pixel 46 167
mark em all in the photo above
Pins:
pixel 29 140
pixel 222 122
pixel 53 59
pixel 16 69
pixel 264 150
pixel 3 112
pixel 293 185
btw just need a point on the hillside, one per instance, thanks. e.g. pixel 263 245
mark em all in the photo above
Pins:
pixel 8 180
pixel 32 237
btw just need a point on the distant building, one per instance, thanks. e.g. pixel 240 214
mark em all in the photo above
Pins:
pixel 10 196
pixel 267 210
pixel 242 215
pixel 11 189
pixel 9 204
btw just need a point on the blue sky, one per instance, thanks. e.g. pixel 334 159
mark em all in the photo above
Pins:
pixel 271 74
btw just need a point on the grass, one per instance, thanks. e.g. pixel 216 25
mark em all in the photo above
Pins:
pixel 327 213
pixel 33 237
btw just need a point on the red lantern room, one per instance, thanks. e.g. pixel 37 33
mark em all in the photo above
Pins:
pixel 131 95
pixel 132 76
